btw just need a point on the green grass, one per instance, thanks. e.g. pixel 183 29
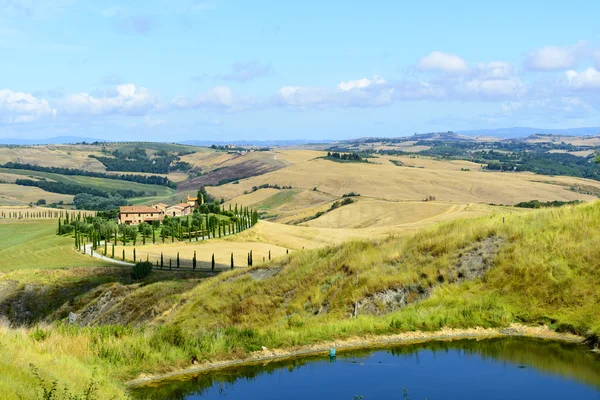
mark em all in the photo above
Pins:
pixel 546 272
pixel 276 200
pixel 33 244
pixel 96 183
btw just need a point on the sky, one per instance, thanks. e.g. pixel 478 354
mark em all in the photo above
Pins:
pixel 174 70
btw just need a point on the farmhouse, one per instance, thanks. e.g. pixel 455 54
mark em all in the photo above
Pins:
pixel 133 215
pixel 161 206
pixel 195 201
pixel 179 210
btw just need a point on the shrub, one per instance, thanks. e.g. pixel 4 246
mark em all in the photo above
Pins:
pixel 141 270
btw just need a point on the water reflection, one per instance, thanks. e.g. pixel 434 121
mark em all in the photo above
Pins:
pixel 507 368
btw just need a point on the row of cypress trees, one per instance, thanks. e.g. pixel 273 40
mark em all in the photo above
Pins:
pixel 46 214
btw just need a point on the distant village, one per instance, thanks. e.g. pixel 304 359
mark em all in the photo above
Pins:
pixel 134 215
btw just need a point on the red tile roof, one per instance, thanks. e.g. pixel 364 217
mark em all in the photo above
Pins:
pixel 138 209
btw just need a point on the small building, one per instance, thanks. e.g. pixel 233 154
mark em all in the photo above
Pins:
pixel 195 201
pixel 161 206
pixel 179 210
pixel 133 215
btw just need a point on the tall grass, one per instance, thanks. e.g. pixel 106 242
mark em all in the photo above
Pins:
pixel 547 271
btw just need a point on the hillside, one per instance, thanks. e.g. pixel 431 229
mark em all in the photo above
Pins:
pixel 537 268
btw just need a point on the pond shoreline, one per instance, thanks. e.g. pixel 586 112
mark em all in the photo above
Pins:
pixel 266 356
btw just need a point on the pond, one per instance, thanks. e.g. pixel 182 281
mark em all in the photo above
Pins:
pixel 503 369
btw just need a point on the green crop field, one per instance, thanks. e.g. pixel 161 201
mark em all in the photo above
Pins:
pixel 277 199
pixel 96 183
pixel 32 244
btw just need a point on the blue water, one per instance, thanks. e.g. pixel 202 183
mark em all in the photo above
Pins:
pixel 492 369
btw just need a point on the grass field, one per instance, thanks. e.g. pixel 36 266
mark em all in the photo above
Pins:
pixel 66 156
pixel 543 270
pixel 13 195
pixel 33 244
pixel 97 183
pixel 444 180
pixel 222 250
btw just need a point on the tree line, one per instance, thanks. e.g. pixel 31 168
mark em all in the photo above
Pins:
pixel 197 227
pixel 74 189
pixel 138 160
pixel 147 180
pixel 544 204
pixel 345 157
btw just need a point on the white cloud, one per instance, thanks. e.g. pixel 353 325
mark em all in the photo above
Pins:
pixel 555 110
pixel 19 107
pixel 597 58
pixel 553 58
pixel 354 93
pixel 361 83
pixel 220 97
pixel 494 88
pixel 586 80
pixel 301 97
pixel 443 62
pixel 125 99
pixel 153 122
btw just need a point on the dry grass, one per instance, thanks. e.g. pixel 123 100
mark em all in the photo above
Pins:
pixel 221 249
pixel 66 156
pixel 443 180
pixel 11 195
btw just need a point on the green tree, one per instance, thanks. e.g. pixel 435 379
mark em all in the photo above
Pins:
pixel 232 265
pixel 141 270
pixel 213 262
pixel 145 230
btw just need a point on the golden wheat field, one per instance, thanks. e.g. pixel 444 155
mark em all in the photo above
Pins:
pixel 419 179
pixel 66 156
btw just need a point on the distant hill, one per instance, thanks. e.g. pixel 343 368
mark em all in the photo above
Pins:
pixel 52 140
pixel 520 132
pixel 266 143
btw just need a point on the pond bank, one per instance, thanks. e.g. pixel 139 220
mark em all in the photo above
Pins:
pixel 268 355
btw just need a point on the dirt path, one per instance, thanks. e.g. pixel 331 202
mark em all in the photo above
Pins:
pixel 266 355
pixel 88 248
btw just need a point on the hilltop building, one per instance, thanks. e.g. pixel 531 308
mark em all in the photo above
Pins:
pixel 195 201
pixel 161 206
pixel 133 215
pixel 179 210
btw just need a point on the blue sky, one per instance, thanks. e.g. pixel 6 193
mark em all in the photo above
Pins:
pixel 229 70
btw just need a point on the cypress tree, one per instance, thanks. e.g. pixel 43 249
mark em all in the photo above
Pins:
pixel 194 261
pixel 269 255
pixel 161 260
pixel 207 227
pixel 58 233
pixel 105 247
pixel 251 258
pixel 213 262
pixel 134 256
pixel 231 253
pixel 153 234
pixel 287 251
pixel 177 259
pixel 113 251
pixel 170 264
pixel 123 254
